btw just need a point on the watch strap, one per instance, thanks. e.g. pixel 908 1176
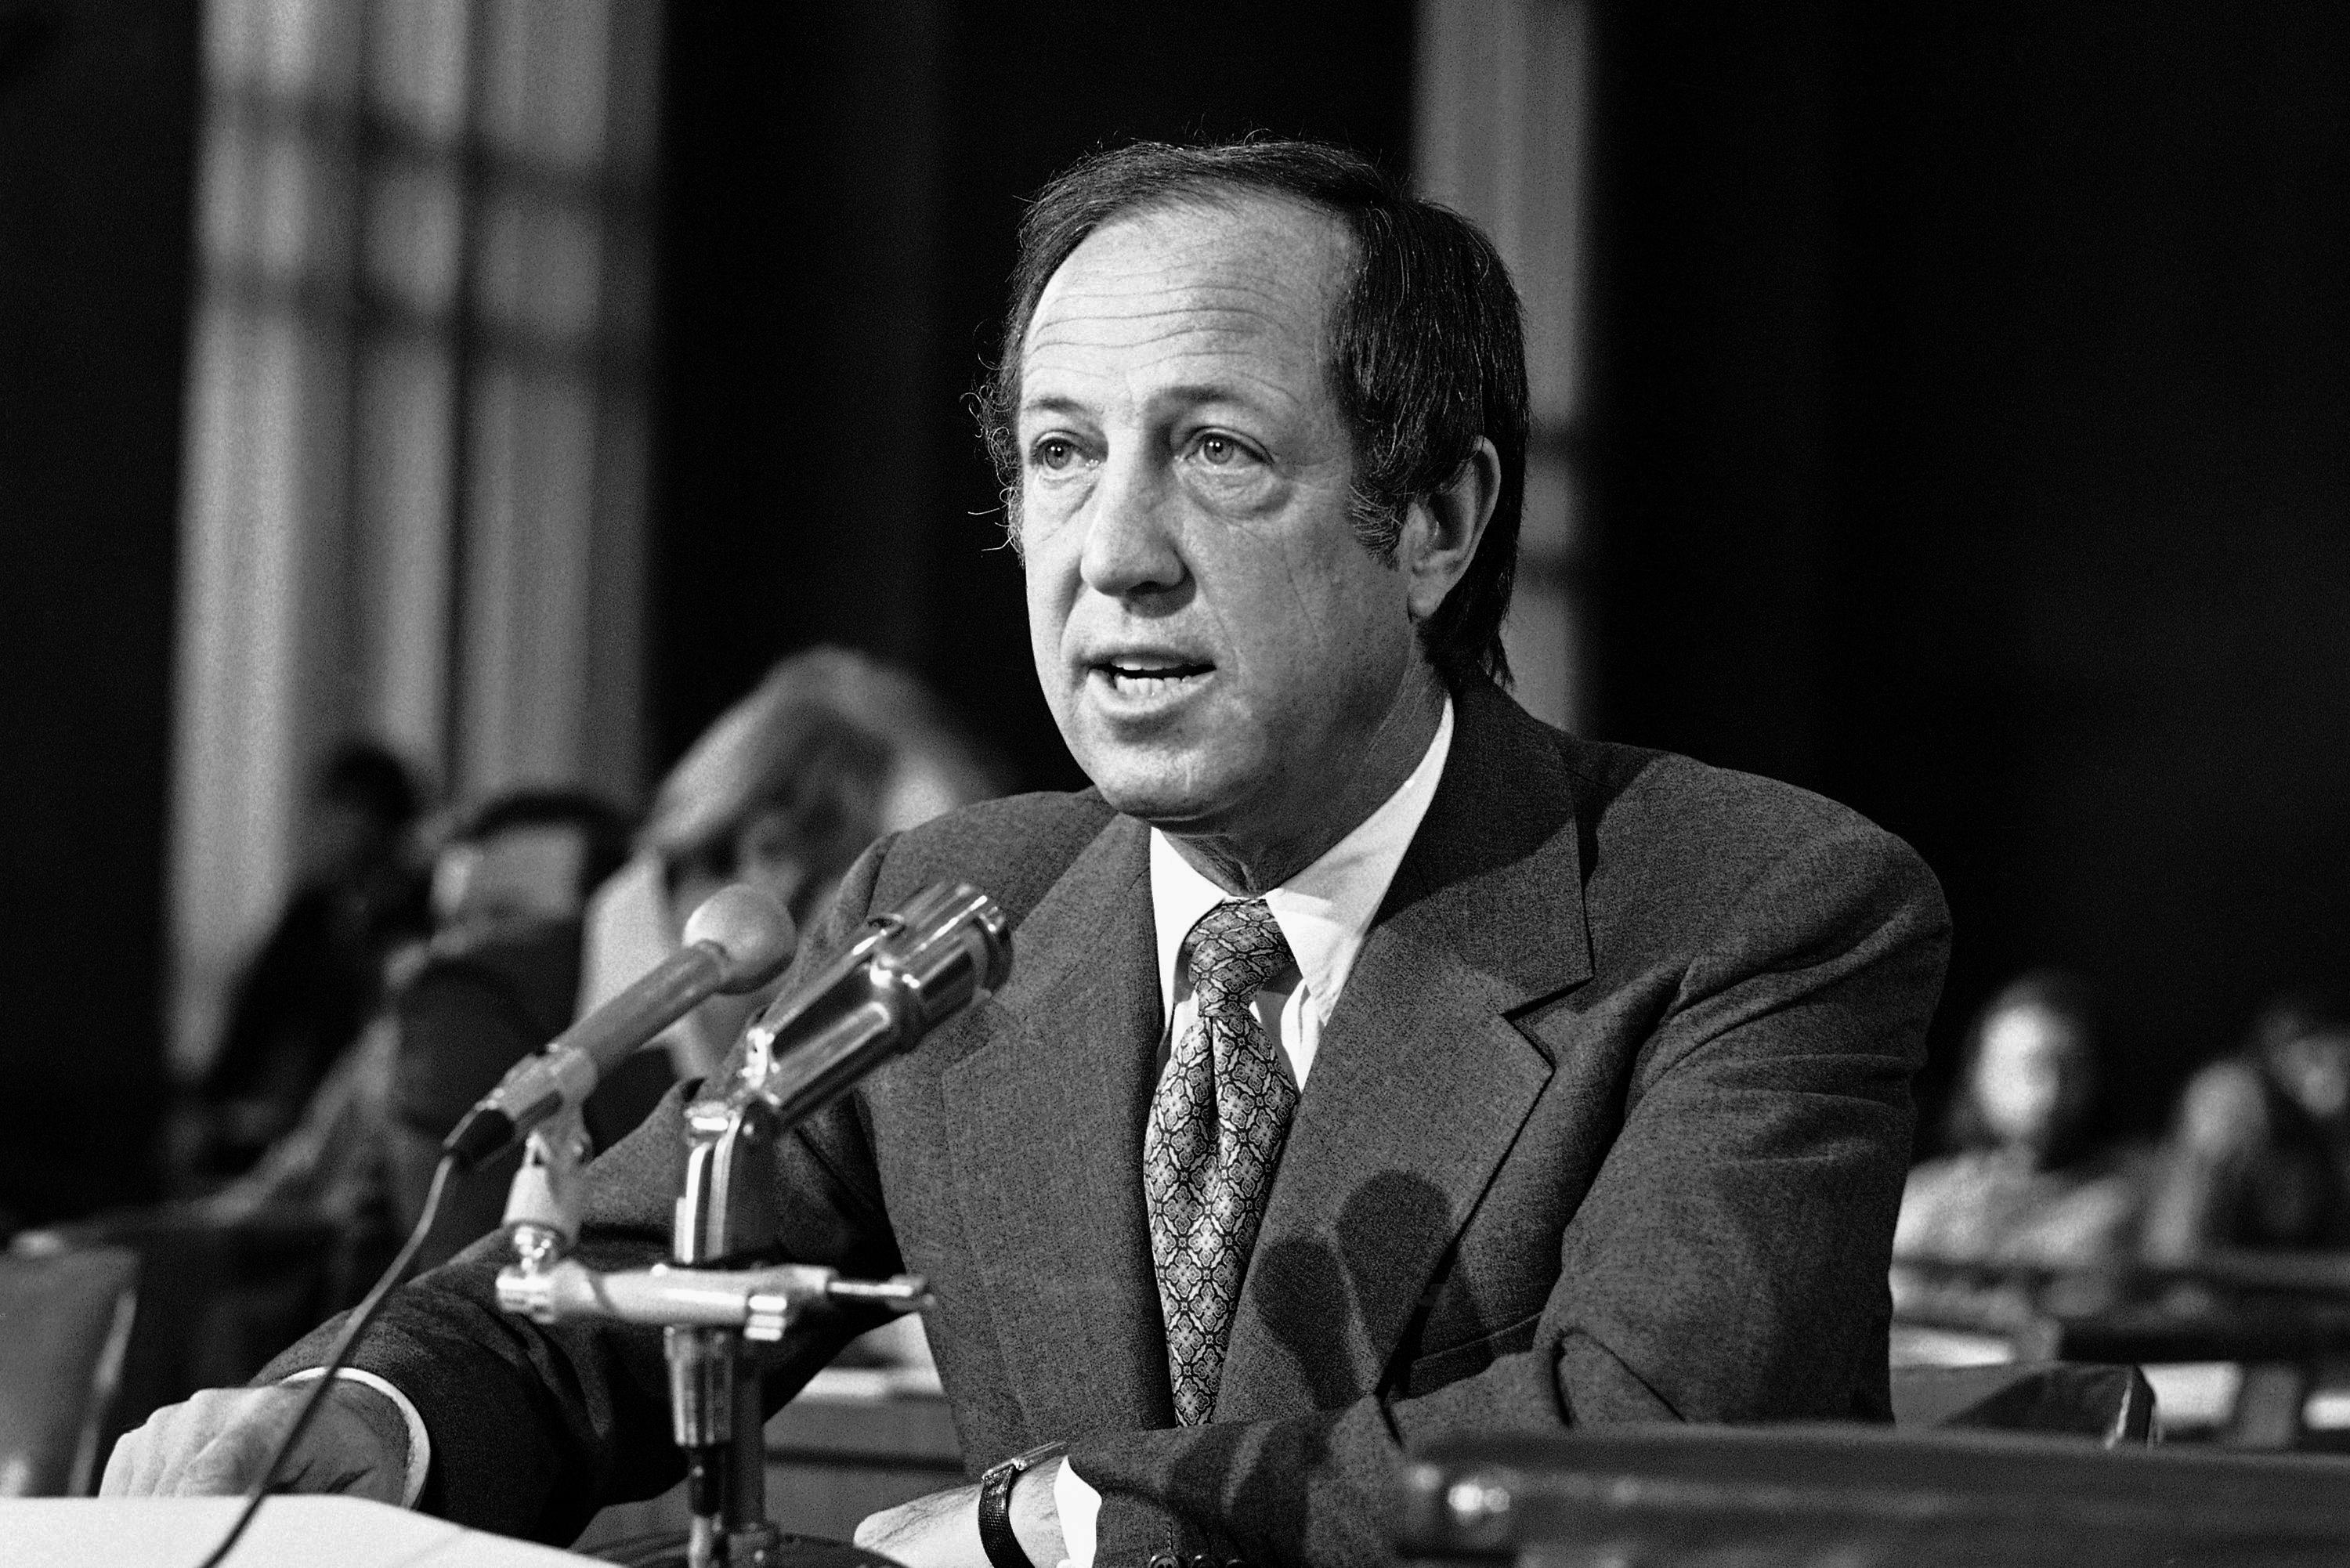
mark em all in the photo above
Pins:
pixel 996 1537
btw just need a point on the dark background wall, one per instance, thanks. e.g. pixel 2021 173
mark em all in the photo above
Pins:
pixel 1975 446
pixel 97 117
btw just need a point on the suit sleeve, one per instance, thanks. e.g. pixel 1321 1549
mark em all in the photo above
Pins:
pixel 1728 1265
pixel 533 1429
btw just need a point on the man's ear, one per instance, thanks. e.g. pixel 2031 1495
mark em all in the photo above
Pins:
pixel 1441 533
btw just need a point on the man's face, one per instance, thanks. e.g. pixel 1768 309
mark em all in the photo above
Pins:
pixel 1219 652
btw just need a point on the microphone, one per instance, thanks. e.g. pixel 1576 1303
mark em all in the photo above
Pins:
pixel 739 940
pixel 909 972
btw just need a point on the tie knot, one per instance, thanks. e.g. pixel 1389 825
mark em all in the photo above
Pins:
pixel 1235 949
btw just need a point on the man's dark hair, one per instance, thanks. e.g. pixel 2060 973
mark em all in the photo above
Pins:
pixel 603 827
pixel 1427 354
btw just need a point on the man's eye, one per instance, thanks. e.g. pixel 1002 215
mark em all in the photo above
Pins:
pixel 1055 454
pixel 1218 451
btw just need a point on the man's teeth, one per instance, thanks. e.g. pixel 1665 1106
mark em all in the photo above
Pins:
pixel 1155 672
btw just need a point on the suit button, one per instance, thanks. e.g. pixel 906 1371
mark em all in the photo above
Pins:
pixel 1165 1559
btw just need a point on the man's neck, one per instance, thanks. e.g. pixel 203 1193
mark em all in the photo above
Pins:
pixel 1248 863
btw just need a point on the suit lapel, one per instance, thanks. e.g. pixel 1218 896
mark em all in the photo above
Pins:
pixel 1045 1127
pixel 1421 1081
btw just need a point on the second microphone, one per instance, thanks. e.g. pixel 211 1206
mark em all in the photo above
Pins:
pixel 739 940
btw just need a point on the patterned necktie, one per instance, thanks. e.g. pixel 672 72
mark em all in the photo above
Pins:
pixel 1216 1129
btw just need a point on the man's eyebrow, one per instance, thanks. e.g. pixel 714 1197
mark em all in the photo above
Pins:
pixel 1188 393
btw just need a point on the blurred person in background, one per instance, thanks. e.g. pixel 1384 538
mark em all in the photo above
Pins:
pixel 227 1278
pixel 830 752
pixel 495 982
pixel 2025 1183
pixel 501 979
pixel 2259 1146
pixel 543 914
pixel 309 990
pixel 526 858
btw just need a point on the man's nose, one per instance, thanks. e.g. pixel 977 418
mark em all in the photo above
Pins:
pixel 1130 542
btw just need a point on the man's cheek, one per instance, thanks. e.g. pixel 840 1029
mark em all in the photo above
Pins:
pixel 1049 584
pixel 1046 509
pixel 1050 558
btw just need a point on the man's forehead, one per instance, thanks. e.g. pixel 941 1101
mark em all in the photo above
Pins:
pixel 1235 270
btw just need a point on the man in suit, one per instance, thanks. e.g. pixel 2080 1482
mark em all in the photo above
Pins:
pixel 1377 1063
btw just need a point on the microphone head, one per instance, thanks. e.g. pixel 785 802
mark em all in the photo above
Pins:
pixel 749 928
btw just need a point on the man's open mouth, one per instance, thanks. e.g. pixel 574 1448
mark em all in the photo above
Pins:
pixel 1143 675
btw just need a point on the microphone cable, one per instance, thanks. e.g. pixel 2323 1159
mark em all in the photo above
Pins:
pixel 353 1326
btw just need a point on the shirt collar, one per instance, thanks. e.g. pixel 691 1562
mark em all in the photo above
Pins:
pixel 1325 911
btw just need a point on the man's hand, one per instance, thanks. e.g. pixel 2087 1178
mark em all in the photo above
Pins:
pixel 941 1530
pixel 216 1444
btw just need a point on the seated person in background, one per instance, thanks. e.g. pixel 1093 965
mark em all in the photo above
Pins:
pixel 830 752
pixel 2260 1146
pixel 2023 1185
pixel 496 981
pixel 301 1234
pixel 314 982
pixel 784 790
pixel 528 857
pixel 501 980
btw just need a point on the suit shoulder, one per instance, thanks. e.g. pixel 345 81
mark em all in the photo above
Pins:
pixel 1013 849
pixel 1720 826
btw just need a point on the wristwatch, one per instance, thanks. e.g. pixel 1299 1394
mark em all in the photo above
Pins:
pixel 995 1536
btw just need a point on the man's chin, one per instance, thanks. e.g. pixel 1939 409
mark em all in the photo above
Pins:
pixel 1173 798
pixel 1185 777
pixel 1172 809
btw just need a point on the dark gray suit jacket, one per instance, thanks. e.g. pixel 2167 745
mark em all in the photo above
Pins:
pixel 1609 1125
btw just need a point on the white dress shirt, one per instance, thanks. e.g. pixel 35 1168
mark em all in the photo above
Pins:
pixel 1323 912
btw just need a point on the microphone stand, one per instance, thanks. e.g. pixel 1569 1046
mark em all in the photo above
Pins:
pixel 715 1300
pixel 548 1195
